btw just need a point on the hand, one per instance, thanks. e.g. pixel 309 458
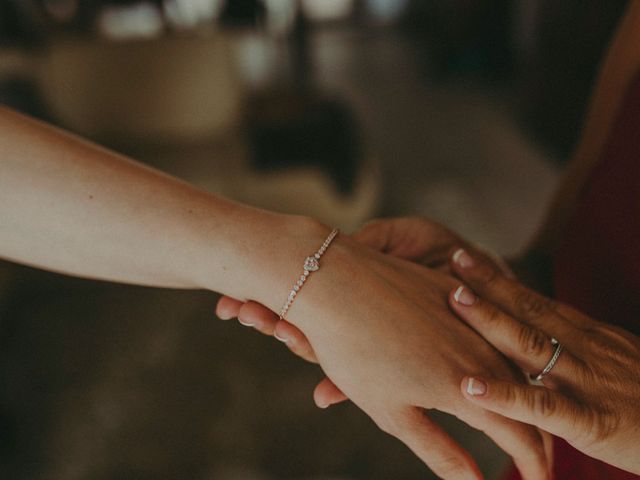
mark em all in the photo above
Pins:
pixel 416 239
pixel 411 238
pixel 589 398
pixel 382 331
pixel 259 317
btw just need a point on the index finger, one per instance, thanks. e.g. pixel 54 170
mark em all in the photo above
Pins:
pixel 529 347
pixel 512 296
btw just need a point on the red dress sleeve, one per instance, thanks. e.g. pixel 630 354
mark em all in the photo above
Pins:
pixel 597 266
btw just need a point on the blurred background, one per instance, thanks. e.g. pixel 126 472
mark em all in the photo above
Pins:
pixel 460 110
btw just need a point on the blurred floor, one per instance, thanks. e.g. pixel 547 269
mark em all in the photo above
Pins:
pixel 115 382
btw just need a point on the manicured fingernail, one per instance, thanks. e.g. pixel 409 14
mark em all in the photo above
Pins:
pixel 463 259
pixel 282 339
pixel 246 324
pixel 224 316
pixel 476 387
pixel 464 296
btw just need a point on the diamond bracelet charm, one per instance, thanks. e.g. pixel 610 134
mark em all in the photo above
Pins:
pixel 311 264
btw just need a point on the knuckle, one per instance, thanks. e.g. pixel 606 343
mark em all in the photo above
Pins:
pixel 580 372
pixel 592 341
pixel 491 314
pixel 529 304
pixel 532 342
pixel 509 396
pixel 541 403
pixel 605 348
pixel 489 276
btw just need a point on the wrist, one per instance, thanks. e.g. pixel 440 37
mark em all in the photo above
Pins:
pixel 291 240
pixel 327 291
pixel 261 254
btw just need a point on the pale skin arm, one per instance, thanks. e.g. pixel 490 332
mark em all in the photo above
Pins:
pixel 69 206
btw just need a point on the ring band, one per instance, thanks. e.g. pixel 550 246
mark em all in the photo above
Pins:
pixel 552 362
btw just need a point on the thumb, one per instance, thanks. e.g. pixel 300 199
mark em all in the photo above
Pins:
pixel 375 234
pixel 410 238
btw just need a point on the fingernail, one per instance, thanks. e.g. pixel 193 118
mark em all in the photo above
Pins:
pixel 476 387
pixel 282 339
pixel 464 296
pixel 246 324
pixel 463 259
pixel 223 315
pixel 323 406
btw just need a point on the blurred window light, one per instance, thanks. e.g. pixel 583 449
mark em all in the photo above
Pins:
pixel 386 11
pixel 280 15
pixel 190 13
pixel 141 20
pixel 326 10
pixel 257 60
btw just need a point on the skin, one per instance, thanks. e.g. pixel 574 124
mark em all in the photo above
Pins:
pixel 589 398
pixel 416 239
pixel 423 242
pixel 70 206
pixel 409 330
pixel 430 244
pixel 112 231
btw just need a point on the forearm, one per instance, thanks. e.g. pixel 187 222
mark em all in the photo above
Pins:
pixel 69 206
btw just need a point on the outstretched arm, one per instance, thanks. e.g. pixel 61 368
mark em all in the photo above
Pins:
pixel 70 206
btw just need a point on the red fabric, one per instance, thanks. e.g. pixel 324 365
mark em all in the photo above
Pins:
pixel 597 267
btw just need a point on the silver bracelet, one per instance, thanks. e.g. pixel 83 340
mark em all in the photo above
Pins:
pixel 311 264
